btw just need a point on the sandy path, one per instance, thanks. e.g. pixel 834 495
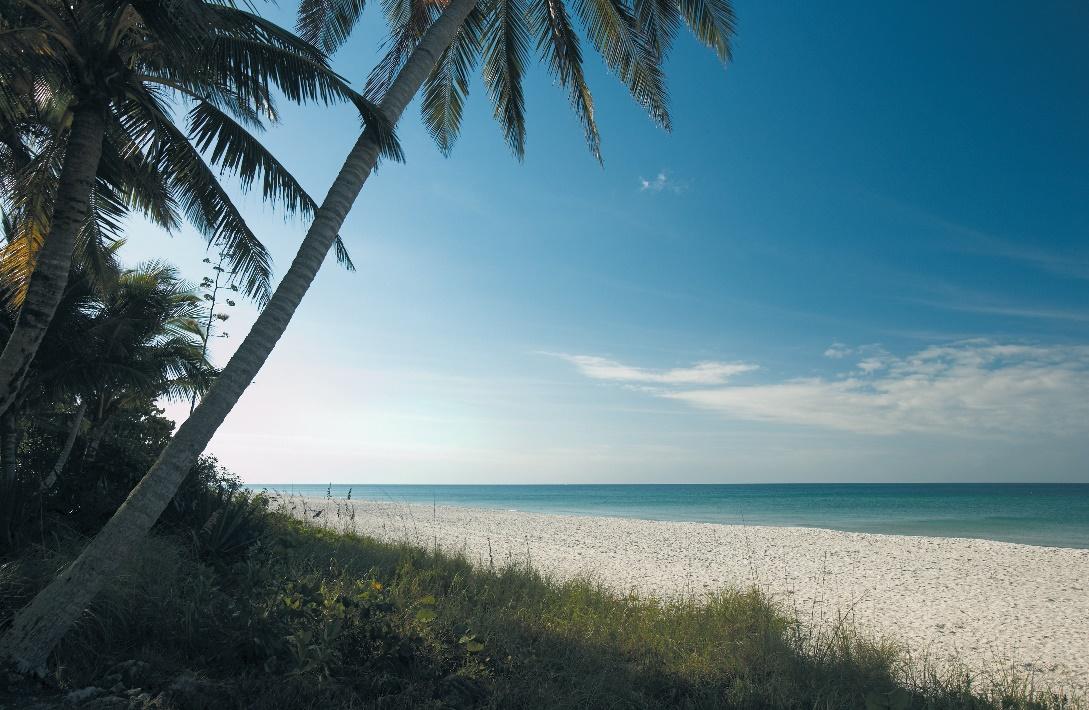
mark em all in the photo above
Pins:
pixel 994 605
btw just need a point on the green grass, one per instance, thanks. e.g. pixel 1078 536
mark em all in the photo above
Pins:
pixel 312 618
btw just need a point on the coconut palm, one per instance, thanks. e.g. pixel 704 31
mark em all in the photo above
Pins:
pixel 140 340
pixel 86 91
pixel 113 344
pixel 435 45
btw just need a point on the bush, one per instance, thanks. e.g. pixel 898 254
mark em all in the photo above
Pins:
pixel 309 618
pixel 213 510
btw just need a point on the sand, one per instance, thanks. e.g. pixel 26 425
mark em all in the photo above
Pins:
pixel 994 606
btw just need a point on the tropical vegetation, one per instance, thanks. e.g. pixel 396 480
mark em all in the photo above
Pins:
pixel 88 92
pixel 241 605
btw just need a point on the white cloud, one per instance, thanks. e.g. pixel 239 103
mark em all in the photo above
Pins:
pixel 969 388
pixel 702 373
pixel 838 351
pixel 661 182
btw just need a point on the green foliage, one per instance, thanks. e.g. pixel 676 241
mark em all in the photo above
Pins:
pixel 134 64
pixel 212 509
pixel 310 618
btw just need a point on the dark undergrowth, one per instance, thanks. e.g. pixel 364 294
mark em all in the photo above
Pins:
pixel 255 610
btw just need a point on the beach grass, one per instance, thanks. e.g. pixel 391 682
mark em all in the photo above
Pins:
pixel 310 617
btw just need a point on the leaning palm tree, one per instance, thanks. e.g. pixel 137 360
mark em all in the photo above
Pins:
pixel 434 44
pixel 85 117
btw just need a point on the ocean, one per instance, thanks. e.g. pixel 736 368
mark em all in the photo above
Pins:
pixel 1053 514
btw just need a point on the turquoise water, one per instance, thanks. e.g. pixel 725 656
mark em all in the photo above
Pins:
pixel 1037 514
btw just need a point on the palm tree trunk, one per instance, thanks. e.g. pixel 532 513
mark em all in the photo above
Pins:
pixel 95 434
pixel 38 627
pixel 50 274
pixel 66 451
pixel 7 475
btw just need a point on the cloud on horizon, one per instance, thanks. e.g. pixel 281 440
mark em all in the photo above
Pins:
pixel 968 388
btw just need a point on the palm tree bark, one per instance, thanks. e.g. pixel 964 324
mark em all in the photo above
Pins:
pixel 66 450
pixel 38 627
pixel 7 476
pixel 54 260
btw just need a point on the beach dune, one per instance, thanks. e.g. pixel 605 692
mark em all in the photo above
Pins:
pixel 994 607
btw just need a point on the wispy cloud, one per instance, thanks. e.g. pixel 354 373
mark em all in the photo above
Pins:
pixel 702 373
pixel 663 181
pixel 969 388
pixel 1070 262
pixel 838 351
pixel 1008 311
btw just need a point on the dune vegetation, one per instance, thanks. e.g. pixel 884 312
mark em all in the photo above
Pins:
pixel 233 602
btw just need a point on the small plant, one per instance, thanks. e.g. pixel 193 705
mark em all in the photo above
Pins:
pixel 471 643
pixel 222 518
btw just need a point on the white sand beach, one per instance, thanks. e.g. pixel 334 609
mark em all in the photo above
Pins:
pixel 995 606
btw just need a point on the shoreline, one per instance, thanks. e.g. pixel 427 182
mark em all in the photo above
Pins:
pixel 1038 515
pixel 993 607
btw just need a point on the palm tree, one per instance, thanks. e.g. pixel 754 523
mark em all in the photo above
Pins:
pixel 88 133
pixel 114 344
pixel 438 51
pixel 141 341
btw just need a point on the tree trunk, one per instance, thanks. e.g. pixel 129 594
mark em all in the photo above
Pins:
pixel 7 474
pixel 95 434
pixel 38 627
pixel 54 260
pixel 66 451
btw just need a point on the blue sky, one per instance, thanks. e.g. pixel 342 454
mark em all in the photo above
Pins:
pixel 861 255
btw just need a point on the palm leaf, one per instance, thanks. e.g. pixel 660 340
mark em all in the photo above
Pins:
pixel 629 53
pixel 559 43
pixel 408 20
pixel 327 23
pixel 447 87
pixel 199 193
pixel 506 39
pixel 713 22
pixel 233 148
pixel 658 21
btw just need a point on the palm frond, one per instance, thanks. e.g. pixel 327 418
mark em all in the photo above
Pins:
pixel 658 21
pixel 612 28
pixel 506 40
pixel 233 148
pixel 327 23
pixel 713 22
pixel 408 21
pixel 447 87
pixel 558 41
pixel 206 204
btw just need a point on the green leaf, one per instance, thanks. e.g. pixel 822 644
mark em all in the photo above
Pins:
pixel 426 615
